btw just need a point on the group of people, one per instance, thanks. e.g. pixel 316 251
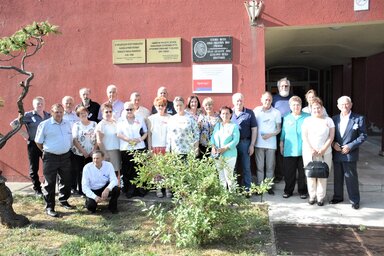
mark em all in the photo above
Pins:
pixel 90 147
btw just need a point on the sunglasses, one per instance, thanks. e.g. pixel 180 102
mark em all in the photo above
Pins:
pixel 129 109
pixel 109 111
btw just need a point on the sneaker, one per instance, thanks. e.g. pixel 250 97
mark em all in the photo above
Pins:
pixel 159 193
pixel 168 193
pixel 271 192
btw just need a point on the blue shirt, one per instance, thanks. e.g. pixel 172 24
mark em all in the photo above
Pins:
pixel 246 120
pixel 31 120
pixel 282 104
pixel 291 134
pixel 55 137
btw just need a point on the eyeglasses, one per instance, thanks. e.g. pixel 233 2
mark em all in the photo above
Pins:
pixel 129 109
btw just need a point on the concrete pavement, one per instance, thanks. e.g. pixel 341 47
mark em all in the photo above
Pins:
pixel 298 211
pixel 371 213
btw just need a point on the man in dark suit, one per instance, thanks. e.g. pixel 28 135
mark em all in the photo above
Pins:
pixel 350 133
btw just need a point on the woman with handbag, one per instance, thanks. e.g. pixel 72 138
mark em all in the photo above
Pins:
pixel 318 133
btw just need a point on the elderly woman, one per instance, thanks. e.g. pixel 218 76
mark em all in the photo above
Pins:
pixel 206 122
pixel 318 133
pixel 193 107
pixel 225 137
pixel 309 96
pixel 84 141
pixel 157 133
pixel 132 131
pixel 183 132
pixel 291 148
pixel 107 140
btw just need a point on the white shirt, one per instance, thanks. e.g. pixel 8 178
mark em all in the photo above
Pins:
pixel 158 126
pixel 95 178
pixel 71 117
pixel 343 123
pixel 109 131
pixel 117 109
pixel 267 121
pixel 131 131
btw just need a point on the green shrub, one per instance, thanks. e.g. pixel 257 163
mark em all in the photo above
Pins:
pixel 202 210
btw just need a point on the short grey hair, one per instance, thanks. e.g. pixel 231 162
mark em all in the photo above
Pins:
pixel 111 86
pixel 344 98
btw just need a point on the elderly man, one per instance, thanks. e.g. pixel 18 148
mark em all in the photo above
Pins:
pixel 117 105
pixel 281 102
pixel 269 125
pixel 54 139
pixel 31 120
pixel 139 110
pixel 162 92
pixel 93 107
pixel 69 114
pixel 246 120
pixel 350 133
pixel 100 182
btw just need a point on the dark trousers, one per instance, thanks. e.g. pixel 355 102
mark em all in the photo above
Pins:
pixel 78 163
pixel 34 155
pixel 53 166
pixel 349 171
pixel 128 170
pixel 91 204
pixel 291 165
pixel 279 167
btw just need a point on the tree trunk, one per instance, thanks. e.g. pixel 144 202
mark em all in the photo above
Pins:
pixel 8 217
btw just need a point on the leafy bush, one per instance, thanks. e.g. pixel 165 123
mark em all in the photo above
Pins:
pixel 202 210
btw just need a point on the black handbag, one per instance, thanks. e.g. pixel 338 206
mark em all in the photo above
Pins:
pixel 317 169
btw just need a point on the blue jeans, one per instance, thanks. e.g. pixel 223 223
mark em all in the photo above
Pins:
pixel 244 160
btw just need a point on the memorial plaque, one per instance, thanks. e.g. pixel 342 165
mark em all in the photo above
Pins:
pixel 164 50
pixel 128 51
pixel 212 48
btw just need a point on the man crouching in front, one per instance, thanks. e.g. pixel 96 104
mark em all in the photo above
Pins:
pixel 100 182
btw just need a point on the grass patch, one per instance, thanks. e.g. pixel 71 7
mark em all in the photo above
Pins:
pixel 79 233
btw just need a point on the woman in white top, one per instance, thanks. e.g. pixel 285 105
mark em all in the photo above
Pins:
pixel 317 133
pixel 157 134
pixel 107 140
pixel 132 131
pixel 84 141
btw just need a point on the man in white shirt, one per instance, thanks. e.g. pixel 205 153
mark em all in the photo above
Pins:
pixel 117 105
pixel 139 110
pixel 269 125
pixel 99 182
pixel 69 113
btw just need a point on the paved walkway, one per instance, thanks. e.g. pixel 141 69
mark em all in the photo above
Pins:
pixel 297 211
pixel 371 212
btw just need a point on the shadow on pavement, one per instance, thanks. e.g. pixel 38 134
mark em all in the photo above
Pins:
pixel 294 239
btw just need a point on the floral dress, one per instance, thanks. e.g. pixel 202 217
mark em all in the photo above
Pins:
pixel 206 125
